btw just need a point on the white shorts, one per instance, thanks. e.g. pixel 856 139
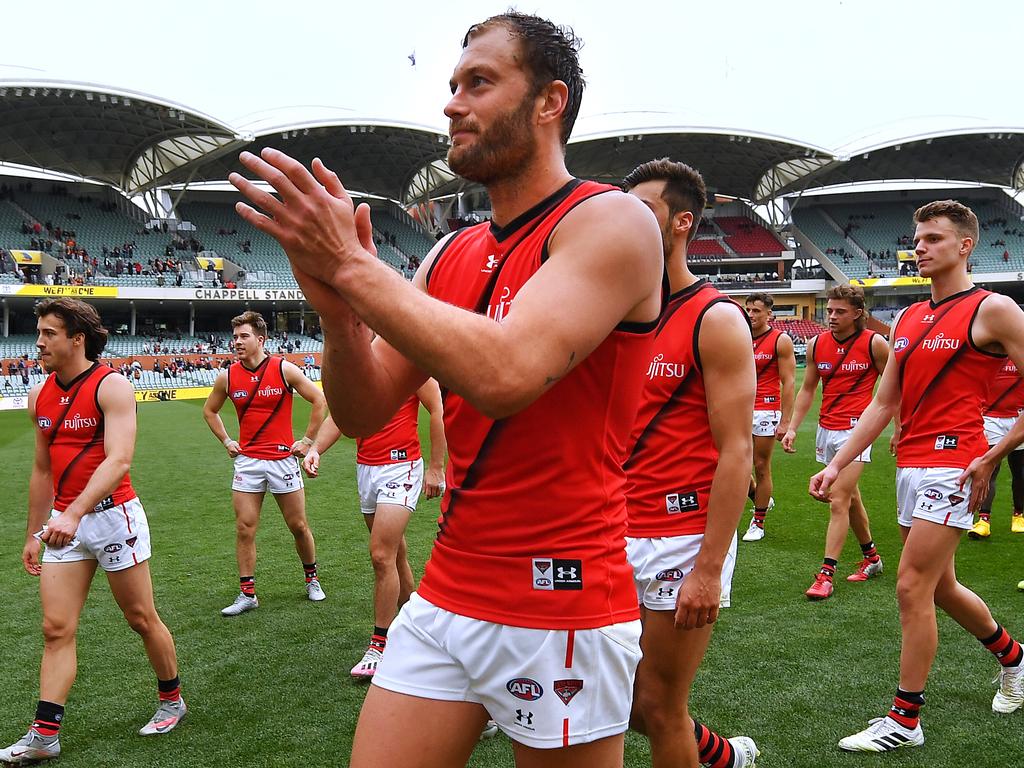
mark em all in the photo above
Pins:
pixel 996 428
pixel 828 442
pixel 765 423
pixel 261 475
pixel 117 538
pixel 544 688
pixel 660 564
pixel 932 493
pixel 397 484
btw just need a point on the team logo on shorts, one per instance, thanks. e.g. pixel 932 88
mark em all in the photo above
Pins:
pixel 566 689
pixel 524 688
pixel 955 499
pixel 946 442
pixel 112 548
pixel 553 573
pixel 932 494
pixel 901 343
pixel 131 542
pixel 44 423
pixel 672 574
pixel 407 486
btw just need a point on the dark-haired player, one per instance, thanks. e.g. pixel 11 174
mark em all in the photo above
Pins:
pixel 689 459
pixel 847 359
pixel 260 387
pixel 82 506
pixel 953 343
pixel 775 362
pixel 538 324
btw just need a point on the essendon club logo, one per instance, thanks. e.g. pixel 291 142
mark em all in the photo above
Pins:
pixel 567 689
pixel 525 688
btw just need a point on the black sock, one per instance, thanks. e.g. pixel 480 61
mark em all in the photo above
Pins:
pixel 828 566
pixel 310 571
pixel 48 718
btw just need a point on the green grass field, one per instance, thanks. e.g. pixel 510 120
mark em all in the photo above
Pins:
pixel 271 688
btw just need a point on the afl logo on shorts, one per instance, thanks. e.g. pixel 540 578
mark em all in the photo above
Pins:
pixel 932 494
pixel 524 688
pixel 44 423
pixel 112 548
pixel 901 343
pixel 672 574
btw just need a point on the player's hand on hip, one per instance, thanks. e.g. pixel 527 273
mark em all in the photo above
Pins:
pixel 893 442
pixel 60 530
pixel 311 464
pixel 788 440
pixel 299 448
pixel 820 486
pixel 433 483
pixel 977 473
pixel 233 449
pixel 30 556
pixel 314 219
pixel 699 597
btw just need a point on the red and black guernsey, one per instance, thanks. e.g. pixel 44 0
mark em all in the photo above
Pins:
pixel 532 528
pixel 263 400
pixel 944 380
pixel 397 441
pixel 72 422
pixel 848 374
pixel 1006 393
pixel 766 362
pixel 673 456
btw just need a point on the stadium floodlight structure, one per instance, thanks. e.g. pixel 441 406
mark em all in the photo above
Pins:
pixel 129 140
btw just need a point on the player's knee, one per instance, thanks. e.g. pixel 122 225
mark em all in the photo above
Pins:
pixel 57 630
pixel 299 528
pixel 762 465
pixel 245 530
pixel 382 555
pixel 141 621
pixel 839 503
pixel 910 590
pixel 659 706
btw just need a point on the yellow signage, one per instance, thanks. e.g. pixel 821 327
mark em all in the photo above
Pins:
pixel 206 261
pixel 163 395
pixel 88 291
pixel 906 255
pixel 886 282
pixel 27 257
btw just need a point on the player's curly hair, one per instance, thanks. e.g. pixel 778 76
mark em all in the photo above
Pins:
pixel 684 187
pixel 78 318
pixel 963 218
pixel 852 295
pixel 252 319
pixel 550 52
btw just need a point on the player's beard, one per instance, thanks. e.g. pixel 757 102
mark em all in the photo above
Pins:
pixel 500 151
pixel 668 240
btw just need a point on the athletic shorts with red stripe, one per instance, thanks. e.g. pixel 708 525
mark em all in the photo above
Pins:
pixel 117 537
pixel 544 688
pixel 933 493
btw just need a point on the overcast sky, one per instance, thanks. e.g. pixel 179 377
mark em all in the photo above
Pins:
pixel 821 71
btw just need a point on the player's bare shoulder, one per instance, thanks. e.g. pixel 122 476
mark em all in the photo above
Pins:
pixel 33 395
pixel 114 387
pixel 999 320
pixel 616 224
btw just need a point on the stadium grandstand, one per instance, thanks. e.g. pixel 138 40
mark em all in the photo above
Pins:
pixel 133 213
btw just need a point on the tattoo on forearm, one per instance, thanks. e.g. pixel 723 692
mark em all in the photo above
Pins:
pixel 552 379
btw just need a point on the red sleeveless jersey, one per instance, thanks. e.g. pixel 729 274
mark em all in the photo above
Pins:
pixel 533 524
pixel 768 396
pixel 398 440
pixel 944 382
pixel 1006 393
pixel 848 374
pixel 263 401
pixel 673 457
pixel 72 423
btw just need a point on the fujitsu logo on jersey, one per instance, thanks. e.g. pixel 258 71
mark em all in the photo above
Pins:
pixel 853 365
pixel 499 310
pixel 667 370
pixel 941 342
pixel 77 422
pixel 270 391
pixel 763 355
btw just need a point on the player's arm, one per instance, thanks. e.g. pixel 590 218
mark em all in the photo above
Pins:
pixel 116 399
pixel 787 377
pixel 433 478
pixel 730 379
pixel 804 399
pixel 998 326
pixel 311 393
pixel 604 266
pixel 211 412
pixel 326 437
pixel 882 409
pixel 879 350
pixel 40 491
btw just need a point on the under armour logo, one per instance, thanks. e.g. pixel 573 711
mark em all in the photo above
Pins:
pixel 666 591
pixel 566 573
pixel 524 717
pixel 928 319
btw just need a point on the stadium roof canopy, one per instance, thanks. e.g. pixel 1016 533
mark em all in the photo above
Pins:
pixel 373 156
pixel 981 154
pixel 132 141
